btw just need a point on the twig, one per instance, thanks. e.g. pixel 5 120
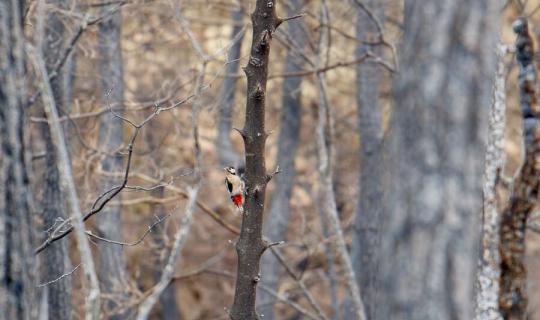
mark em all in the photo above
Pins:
pixel 134 243
pixel 59 278
pixel 368 56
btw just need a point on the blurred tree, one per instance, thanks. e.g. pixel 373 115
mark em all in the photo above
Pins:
pixel 226 152
pixel 17 262
pixel 277 219
pixel 167 300
pixel 366 234
pixel 56 262
pixel 112 264
pixel 442 97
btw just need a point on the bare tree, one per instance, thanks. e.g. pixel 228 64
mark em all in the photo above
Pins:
pixel 513 298
pixel 56 262
pixel 112 264
pixel 17 263
pixel 442 94
pixel 277 219
pixel 227 155
pixel 366 234
pixel 250 246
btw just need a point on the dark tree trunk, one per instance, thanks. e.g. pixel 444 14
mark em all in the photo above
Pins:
pixel 277 220
pixel 513 279
pixel 227 155
pixel 111 257
pixel 442 98
pixel 56 262
pixel 366 234
pixel 250 245
pixel 17 261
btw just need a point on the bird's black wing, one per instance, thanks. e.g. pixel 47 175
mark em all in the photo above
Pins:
pixel 228 184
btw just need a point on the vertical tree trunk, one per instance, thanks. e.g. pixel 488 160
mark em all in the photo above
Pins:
pixel 277 219
pixel 326 193
pixel 17 286
pixel 111 257
pixel 167 300
pixel 442 95
pixel 227 155
pixel 56 261
pixel 366 234
pixel 489 269
pixel 250 245
pixel 513 280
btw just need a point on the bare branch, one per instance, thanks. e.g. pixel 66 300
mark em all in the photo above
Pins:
pixel 59 278
pixel 134 243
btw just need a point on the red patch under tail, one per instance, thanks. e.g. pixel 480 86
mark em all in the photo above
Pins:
pixel 237 200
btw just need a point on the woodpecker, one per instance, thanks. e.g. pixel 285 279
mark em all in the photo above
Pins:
pixel 235 186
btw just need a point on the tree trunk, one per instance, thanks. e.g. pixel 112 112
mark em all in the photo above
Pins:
pixel 277 220
pixel 366 232
pixel 326 193
pixel 489 269
pixel 442 95
pixel 167 300
pixel 227 155
pixel 56 261
pixel 250 246
pixel 524 196
pixel 111 257
pixel 17 261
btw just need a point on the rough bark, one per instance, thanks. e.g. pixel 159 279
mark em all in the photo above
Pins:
pixel 513 291
pixel 17 273
pixel 227 155
pixel 250 246
pixel 442 95
pixel 366 227
pixel 112 264
pixel 56 262
pixel 487 281
pixel 277 219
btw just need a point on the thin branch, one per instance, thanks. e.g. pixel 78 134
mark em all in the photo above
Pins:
pixel 67 274
pixel 368 56
pixel 134 243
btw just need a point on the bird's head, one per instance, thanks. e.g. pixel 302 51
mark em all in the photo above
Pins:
pixel 230 170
